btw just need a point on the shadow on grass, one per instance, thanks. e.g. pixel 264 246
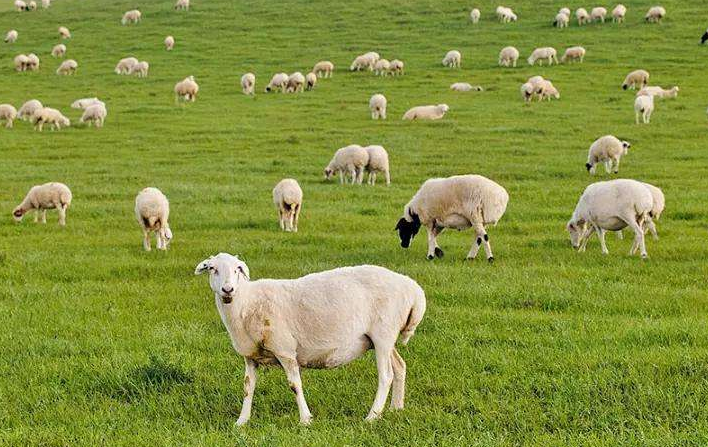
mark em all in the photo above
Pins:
pixel 155 377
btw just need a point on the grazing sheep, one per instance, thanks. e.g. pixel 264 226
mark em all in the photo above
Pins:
pixel 459 202
pixel 637 77
pixel 169 43
pixel 608 150
pixel 377 105
pixel 508 57
pixel 31 6
pixel 378 162
pixel 565 11
pixel 248 84
pixel 618 13
pixel 505 15
pixel 540 54
pixel 125 65
pixel 350 160
pixel 611 206
pixel 548 91
pixel 64 32
pixel 573 54
pixel 186 89
pixel 182 5
pixel 41 198
pixel 475 14
pixel 396 68
pixel 20 6
pixel 655 14
pixel 582 16
pixel 21 62
pixel 598 13
pixel 84 103
pixel 11 36
pixel 50 116
pixel 323 69
pixel 322 320
pixel 287 196
pixel 310 81
pixel 426 112
pixel 382 67
pixel 140 69
pixel 68 67
pixel 28 109
pixel 360 63
pixel 59 50
pixel 452 59
pixel 561 20
pixel 153 211
pixel 296 83
pixel 32 62
pixel 8 113
pixel 528 91
pixel 279 81
pixel 46 3
pixel 644 106
pixel 95 113
pixel 132 16
pixel 659 92
pixel 465 87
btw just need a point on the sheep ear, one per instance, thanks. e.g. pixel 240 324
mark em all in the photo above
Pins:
pixel 203 266
pixel 244 271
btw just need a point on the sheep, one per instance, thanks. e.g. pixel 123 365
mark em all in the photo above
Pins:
pixel 248 84
pixel 11 36
pixel 140 69
pixel 152 210
pixel 643 105
pixel 279 81
pixel 561 20
pixel 21 62
pixel 362 62
pixel 64 32
pixel 84 103
pixel 310 80
pixel 59 50
pixel 465 87
pixel 659 92
pixel 20 6
pixel 582 16
pixel 182 5
pixel 611 206
pixel 46 3
pixel 598 13
pixel 68 67
pixel 377 105
pixel 564 11
pixel 618 13
pixel 186 89
pixel 459 202
pixel 505 15
pixel 373 57
pixel 350 160
pixel 125 65
pixel 378 162
pixel 31 6
pixel 8 113
pixel 28 109
pixel 573 54
pixel 41 198
pixel 323 69
pixel 296 83
pixel 322 320
pixel 32 62
pixel 548 91
pixel 169 43
pixel 287 197
pixel 381 67
pixel 475 14
pixel 95 113
pixel 528 91
pixel 658 204
pixel 655 14
pixel 452 59
pixel 608 150
pixel 540 54
pixel 49 116
pixel 640 77
pixel 133 16
pixel 396 67
pixel 508 57
pixel 426 112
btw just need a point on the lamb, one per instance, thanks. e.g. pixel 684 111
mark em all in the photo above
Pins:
pixel 41 198
pixel 350 160
pixel 655 14
pixel 561 20
pixel 132 16
pixel 152 210
pixel 50 116
pixel 611 206
pixel 378 162
pixel 140 69
pixel 169 43
pixel 21 62
pixel 323 69
pixel 64 32
pixel 506 15
pixel 186 89
pixel 182 5
pixel 452 59
pixel 95 113
pixel 377 105
pixel 28 109
pixel 11 36
pixel 643 105
pixel 362 62
pixel 84 103
pixel 59 50
pixel 508 57
pixel 475 14
pixel 459 202
pixel 548 90
pixel 528 91
pixel 68 67
pixel 659 92
pixel 396 67
pixel 426 112
pixel 279 81
pixel 322 320
pixel 287 196
pixel 296 83
pixel 618 13
pixel 125 65
pixel 382 67
pixel 32 62
pixel 8 113
pixel 248 84
pixel 540 54
pixel 573 54
pixel 310 81
pixel 608 150
pixel 582 16
pixel 465 87
pixel 598 13
pixel 637 77
pixel 20 6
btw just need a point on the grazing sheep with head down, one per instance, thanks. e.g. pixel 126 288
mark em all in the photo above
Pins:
pixel 452 59
pixel 186 89
pixel 95 113
pixel 20 6
pixel 561 21
pixel 508 57
pixel 169 43
pixel 279 81
pixel 465 87
pixel 540 54
pixel 59 50
pixel 64 32
pixel 377 105
pixel 459 202
pixel 21 62
pixel 655 14
pixel 140 69
pixel 360 63
pixel 152 210
pixel 350 160
pixel 659 92
pixel 11 36
pixel 382 67
pixel 618 13
pixel 378 162
pixel 125 65
pixel 548 91
pixel 182 5
pixel 426 112
pixel 53 117
pixel 528 91
pixel 310 81
pixel 505 15
pixel 573 54
pixel 132 16
pixel 287 196
pixel 248 84
pixel 581 14
pixel 32 6
pixel 396 67
pixel 475 14
pixel 8 113
pixel 635 78
pixel 296 83
pixel 68 67
pixel 598 13
pixel 608 150
pixel 323 69
pixel 45 197
pixel 32 62
pixel 28 109
pixel 644 106
pixel 322 320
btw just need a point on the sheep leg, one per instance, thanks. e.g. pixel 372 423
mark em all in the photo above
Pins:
pixel 146 240
pixel 608 166
pixel 617 165
pixel 341 176
pixel 43 214
pixel 433 247
pixel 36 215
pixel 584 238
pixel 292 371
pixel 360 175
pixel 487 245
pixel 354 174
pixel 638 238
pixel 158 240
pixel 398 388
pixel 297 217
pixel 388 178
pixel 601 235
pixel 249 386
pixel 281 220
pixel 620 235
pixel 652 228
pixel 385 371
pixel 636 117
pixel 62 215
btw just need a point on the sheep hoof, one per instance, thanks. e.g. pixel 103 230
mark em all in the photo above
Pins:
pixel 469 259
pixel 490 260
pixel 430 257
pixel 438 252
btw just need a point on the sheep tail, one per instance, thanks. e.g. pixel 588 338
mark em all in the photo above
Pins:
pixel 414 318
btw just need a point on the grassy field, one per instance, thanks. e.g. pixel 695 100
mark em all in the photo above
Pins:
pixel 102 344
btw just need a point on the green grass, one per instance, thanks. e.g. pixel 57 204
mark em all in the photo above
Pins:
pixel 104 344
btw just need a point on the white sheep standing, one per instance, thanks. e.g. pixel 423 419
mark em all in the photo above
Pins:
pixel 396 67
pixel 186 89
pixel 659 92
pixel 581 14
pixel 68 67
pixel 169 43
pixel 11 36
pixel 350 160
pixel 296 83
pixel 140 69
pixel 657 208
pixel 64 32
pixel 133 16
pixel 362 62
pixel 475 14
pixel 508 57
pixel 31 6
pixel 377 105
pixel 32 62
pixel 426 112
pixel 598 13
pixel 287 197
pixel 608 150
pixel 8 113
pixel 248 84
pixel 21 62
pixel 611 206
pixel 125 65
pixel 506 15
pixel 323 69
pixel 152 210
pixel 59 50
pixel 548 91
pixel 655 14
pixel 561 21
pixel 20 6
pixel 182 5
pixel 459 202
pixel 540 54
pixel 322 320
pixel 41 198
pixel 452 59
pixel 53 117
pixel 279 81
pixel 573 54
pixel 528 91
pixel 634 78
pixel 465 87
pixel 310 81
pixel 618 13
pixel 644 106
pixel 28 109
pixel 378 162
pixel 95 113
pixel 382 67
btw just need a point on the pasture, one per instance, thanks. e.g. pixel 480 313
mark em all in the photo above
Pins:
pixel 102 343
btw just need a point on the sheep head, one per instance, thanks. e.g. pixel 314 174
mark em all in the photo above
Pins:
pixel 408 229
pixel 226 272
